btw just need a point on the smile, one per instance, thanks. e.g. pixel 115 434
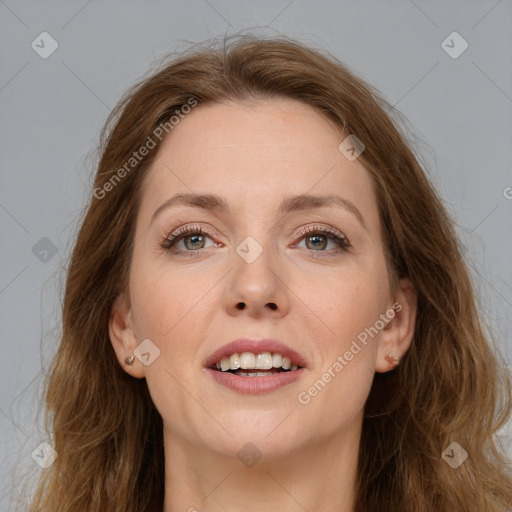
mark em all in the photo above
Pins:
pixel 258 365
pixel 253 367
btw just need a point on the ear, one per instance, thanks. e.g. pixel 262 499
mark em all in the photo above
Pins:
pixel 123 335
pixel 396 336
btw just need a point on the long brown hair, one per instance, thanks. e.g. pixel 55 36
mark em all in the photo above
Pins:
pixel 450 386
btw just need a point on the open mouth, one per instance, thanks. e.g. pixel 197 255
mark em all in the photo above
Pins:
pixel 248 364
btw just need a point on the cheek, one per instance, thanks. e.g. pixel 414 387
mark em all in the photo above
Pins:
pixel 155 308
pixel 337 394
pixel 171 308
pixel 346 341
pixel 159 297
pixel 342 376
pixel 350 301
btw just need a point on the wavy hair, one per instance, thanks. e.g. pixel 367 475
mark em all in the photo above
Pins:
pixel 450 386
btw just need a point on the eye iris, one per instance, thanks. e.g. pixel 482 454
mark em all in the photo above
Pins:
pixel 196 238
pixel 316 246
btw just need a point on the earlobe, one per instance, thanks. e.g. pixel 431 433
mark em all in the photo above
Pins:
pixel 123 336
pixel 392 361
pixel 397 336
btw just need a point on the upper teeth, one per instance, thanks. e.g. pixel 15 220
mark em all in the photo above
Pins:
pixel 250 361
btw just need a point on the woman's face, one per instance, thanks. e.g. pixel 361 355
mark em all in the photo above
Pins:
pixel 261 269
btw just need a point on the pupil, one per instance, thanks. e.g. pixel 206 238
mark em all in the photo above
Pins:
pixel 194 245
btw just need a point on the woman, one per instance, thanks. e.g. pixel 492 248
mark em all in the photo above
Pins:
pixel 267 307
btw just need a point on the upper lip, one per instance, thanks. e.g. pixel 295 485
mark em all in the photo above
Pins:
pixel 256 347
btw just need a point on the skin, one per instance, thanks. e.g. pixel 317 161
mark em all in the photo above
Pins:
pixel 255 154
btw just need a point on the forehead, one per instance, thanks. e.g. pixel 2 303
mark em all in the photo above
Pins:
pixel 277 129
pixel 256 153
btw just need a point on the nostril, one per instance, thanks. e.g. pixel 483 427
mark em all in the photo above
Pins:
pixel 240 305
pixel 272 306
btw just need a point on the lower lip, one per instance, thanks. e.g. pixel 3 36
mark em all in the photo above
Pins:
pixel 255 385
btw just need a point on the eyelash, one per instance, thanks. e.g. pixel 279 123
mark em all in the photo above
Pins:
pixel 332 234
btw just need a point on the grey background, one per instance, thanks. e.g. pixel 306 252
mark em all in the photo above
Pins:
pixel 53 109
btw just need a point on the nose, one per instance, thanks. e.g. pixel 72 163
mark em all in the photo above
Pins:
pixel 258 288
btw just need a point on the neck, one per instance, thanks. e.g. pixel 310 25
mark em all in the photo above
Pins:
pixel 318 476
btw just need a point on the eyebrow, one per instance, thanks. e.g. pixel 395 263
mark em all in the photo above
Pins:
pixel 301 202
